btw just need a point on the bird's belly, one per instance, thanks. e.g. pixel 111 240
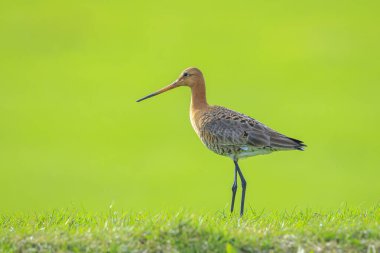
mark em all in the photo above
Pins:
pixel 253 152
pixel 225 150
pixel 236 152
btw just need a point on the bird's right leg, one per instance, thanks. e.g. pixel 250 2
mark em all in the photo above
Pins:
pixel 243 186
pixel 234 188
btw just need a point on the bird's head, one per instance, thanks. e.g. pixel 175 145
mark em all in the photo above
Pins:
pixel 190 77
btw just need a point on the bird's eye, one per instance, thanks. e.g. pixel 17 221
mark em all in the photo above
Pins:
pixel 185 74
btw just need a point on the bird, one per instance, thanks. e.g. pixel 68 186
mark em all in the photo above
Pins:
pixel 227 132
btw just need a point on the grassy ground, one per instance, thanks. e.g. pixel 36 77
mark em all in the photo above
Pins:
pixel 343 230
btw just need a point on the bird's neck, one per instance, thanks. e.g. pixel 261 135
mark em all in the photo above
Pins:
pixel 198 96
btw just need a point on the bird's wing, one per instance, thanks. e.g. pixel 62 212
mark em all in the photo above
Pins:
pixel 228 127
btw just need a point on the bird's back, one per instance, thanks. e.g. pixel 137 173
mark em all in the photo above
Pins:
pixel 236 135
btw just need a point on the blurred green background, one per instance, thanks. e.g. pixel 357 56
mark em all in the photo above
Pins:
pixel 71 132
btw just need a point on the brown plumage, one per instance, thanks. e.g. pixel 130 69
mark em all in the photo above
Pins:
pixel 236 135
pixel 227 132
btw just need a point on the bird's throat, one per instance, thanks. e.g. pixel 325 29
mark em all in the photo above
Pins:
pixel 198 97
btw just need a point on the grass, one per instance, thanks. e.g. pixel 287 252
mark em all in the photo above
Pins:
pixel 343 230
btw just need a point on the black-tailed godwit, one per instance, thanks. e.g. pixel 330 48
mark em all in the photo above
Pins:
pixel 227 132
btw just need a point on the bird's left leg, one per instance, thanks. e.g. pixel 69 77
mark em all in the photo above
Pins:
pixel 234 188
pixel 243 185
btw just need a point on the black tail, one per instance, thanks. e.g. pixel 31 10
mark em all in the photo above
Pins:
pixel 298 144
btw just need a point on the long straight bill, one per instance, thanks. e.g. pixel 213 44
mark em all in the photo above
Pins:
pixel 169 87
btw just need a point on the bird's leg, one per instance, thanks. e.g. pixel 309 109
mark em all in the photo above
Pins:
pixel 243 185
pixel 234 188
